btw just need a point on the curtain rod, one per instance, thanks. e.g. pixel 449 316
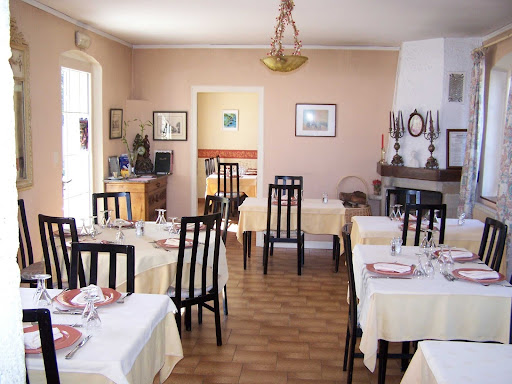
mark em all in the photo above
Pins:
pixel 508 35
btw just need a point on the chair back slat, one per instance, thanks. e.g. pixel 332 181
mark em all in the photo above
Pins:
pixel 347 246
pixel 26 254
pixel 107 198
pixel 214 204
pixel 97 251
pixel 491 249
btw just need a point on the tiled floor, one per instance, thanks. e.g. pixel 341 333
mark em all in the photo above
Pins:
pixel 281 328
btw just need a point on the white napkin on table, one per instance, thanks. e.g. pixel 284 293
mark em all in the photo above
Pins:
pixel 80 298
pixel 388 267
pixel 479 275
pixel 172 242
pixel 33 340
pixel 461 254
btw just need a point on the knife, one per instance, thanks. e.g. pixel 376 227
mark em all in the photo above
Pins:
pixel 80 345
pixel 68 312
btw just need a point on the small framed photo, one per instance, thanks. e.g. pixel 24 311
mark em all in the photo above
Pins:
pixel 455 147
pixel 315 120
pixel 116 123
pixel 170 126
pixel 230 119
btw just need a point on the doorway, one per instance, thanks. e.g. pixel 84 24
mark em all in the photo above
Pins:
pixel 76 154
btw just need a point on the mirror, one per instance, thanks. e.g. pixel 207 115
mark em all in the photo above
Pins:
pixel 416 124
pixel 19 62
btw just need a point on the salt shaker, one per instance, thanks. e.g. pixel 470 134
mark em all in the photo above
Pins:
pixel 139 228
pixel 325 198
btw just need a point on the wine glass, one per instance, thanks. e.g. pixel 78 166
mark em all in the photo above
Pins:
pixel 173 228
pixel 419 272
pixel 398 211
pixel 104 219
pixel 445 259
pixel 160 220
pixel 83 231
pixel 93 229
pixel 429 268
pixel 42 298
pixel 119 234
pixel 90 318
pixel 110 222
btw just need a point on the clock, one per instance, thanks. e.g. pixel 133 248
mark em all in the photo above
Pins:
pixel 141 151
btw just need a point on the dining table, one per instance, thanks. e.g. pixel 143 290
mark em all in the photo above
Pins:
pixel 155 266
pixel 138 340
pixel 397 308
pixel 454 362
pixel 317 218
pixel 248 184
pixel 379 230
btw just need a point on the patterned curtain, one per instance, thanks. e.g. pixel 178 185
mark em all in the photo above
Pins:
pixel 504 202
pixel 474 139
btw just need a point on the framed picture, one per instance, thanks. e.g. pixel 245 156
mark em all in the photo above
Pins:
pixel 315 120
pixel 230 119
pixel 170 126
pixel 455 147
pixel 116 123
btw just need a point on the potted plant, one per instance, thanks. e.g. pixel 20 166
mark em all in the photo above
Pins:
pixel 377 184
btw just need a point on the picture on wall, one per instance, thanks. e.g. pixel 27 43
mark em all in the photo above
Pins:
pixel 116 123
pixel 170 126
pixel 315 120
pixel 230 119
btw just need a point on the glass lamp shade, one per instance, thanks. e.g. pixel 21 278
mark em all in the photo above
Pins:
pixel 285 63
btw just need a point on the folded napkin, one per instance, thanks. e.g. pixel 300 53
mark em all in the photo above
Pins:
pixel 480 275
pixel 391 267
pixel 172 242
pixel 80 299
pixel 33 340
pixel 461 254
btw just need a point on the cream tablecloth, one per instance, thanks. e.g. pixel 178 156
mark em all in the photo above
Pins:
pixel 316 217
pixel 137 340
pixel 451 362
pixel 379 230
pixel 418 309
pixel 155 267
pixel 248 184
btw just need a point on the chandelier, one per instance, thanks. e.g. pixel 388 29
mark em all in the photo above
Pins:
pixel 276 60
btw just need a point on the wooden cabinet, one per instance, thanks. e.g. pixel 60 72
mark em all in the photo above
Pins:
pixel 146 195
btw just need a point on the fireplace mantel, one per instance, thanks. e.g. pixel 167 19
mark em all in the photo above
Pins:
pixel 419 173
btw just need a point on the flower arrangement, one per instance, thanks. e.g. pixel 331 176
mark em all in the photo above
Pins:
pixel 377 184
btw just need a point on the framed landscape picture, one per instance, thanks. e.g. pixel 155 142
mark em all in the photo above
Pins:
pixel 315 120
pixel 170 126
pixel 230 119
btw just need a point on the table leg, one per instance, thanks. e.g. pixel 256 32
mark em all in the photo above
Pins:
pixel 383 359
pixel 245 235
pixel 336 251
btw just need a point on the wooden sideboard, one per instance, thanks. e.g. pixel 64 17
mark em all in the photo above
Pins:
pixel 146 195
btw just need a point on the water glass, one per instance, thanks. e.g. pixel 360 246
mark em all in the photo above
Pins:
pixel 90 318
pixel 396 246
pixel 445 259
pixel 104 219
pixel 419 271
pixel 119 234
pixel 325 198
pixel 462 219
pixel 42 298
pixel 139 228
pixel 429 269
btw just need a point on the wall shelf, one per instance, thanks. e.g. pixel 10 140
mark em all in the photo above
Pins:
pixel 419 173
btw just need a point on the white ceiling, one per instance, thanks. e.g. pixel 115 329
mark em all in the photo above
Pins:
pixel 336 23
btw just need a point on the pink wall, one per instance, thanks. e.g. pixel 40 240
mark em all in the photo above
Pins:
pixel 48 37
pixel 361 83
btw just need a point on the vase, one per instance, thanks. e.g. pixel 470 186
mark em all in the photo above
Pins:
pixel 376 189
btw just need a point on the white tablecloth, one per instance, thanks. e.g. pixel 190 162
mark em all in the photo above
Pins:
pixel 451 362
pixel 317 218
pixel 155 267
pixel 413 309
pixel 379 230
pixel 137 339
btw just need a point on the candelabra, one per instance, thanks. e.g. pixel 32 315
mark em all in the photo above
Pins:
pixel 396 131
pixel 431 134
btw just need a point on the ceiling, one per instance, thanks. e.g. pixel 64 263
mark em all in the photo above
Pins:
pixel 331 23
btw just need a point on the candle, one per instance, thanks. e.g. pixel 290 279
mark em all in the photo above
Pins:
pixel 382 142
pixel 390 121
pixel 438 129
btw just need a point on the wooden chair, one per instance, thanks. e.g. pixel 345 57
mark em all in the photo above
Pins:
pixel 25 253
pixel 491 250
pixel 217 204
pixel 401 196
pixel 228 185
pixel 279 224
pixel 289 180
pixel 209 166
pixel 57 231
pixel 106 196
pixel 114 251
pixel 185 294
pixel 419 210
pixel 44 322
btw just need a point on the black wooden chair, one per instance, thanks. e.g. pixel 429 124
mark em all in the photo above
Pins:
pixel 25 253
pixel 420 210
pixel 491 249
pixel 44 322
pixel 214 204
pixel 401 196
pixel 185 294
pixel 108 196
pixel 209 166
pixel 115 252
pixel 280 212
pixel 228 185
pixel 289 180
pixel 55 233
